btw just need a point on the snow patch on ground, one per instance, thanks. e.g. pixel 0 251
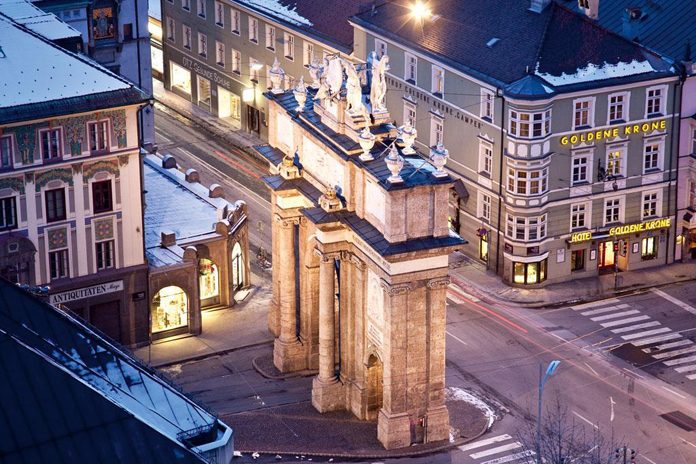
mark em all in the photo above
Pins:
pixel 593 72
pixel 279 10
pixel 459 394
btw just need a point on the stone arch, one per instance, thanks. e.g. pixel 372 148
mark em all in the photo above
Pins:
pixel 238 271
pixel 170 309
pixel 208 281
pixel 374 385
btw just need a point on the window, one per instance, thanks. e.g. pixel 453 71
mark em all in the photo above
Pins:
pixel 527 182
pixel 186 5
pixel 530 125
pixel 615 161
pixel 201 8
pixel 577 260
pixel 6 152
pixel 204 93
pixel 584 113
pixel 487 104
pixel 648 249
pixel 236 61
pixel 578 214
pixel 219 14
pixel 202 44
pixel 410 113
pixel 529 273
pixel 652 155
pixel 187 37
pixel 580 173
pixel 50 144
pixel 651 205
pixel 8 213
pixel 618 107
pixel 236 21
pixel 98 136
pixel 253 30
pixel 485 207
pixel 307 53
pixel 105 255
pixel 55 205
pixel 254 69
pixel 612 211
pixel 101 197
pixel 270 37
pixel 169 309
pixel 289 48
pixel 58 264
pixel 526 228
pixel 170 29
pixel 485 158
pixel 654 103
pixel 438 81
pixel 380 48
pixel 436 130
pixel 220 53
pixel 411 68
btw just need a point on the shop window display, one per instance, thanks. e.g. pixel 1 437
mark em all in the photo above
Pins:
pixel 529 273
pixel 169 309
pixel 208 279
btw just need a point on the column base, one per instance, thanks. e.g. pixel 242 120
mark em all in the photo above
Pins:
pixel 438 424
pixel 393 430
pixel 328 396
pixel 288 357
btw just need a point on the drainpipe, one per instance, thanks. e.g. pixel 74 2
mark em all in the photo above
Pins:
pixel 675 133
pixel 500 183
pixel 142 230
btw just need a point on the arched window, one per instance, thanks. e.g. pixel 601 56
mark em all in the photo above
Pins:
pixel 237 267
pixel 208 279
pixel 169 309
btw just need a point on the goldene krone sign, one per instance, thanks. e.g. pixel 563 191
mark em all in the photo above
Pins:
pixel 655 224
pixel 611 133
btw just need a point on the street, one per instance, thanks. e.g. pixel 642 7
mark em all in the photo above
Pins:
pixel 614 375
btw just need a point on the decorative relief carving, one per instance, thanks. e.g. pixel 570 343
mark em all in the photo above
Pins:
pixel 108 166
pixel 123 160
pixel 76 168
pixel 54 174
pixel 57 238
pixel 15 183
pixel 104 229
pixel 357 262
pixel 442 282
pixel 29 177
pixel 286 222
pixel 327 258
pixel 397 289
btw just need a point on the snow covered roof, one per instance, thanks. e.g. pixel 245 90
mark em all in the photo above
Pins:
pixel 36 71
pixel 46 24
pixel 69 393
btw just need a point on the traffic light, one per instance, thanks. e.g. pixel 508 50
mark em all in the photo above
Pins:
pixel 617 453
pixel 633 456
pixel 616 247
pixel 624 247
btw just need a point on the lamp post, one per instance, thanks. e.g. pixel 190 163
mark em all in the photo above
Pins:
pixel 550 369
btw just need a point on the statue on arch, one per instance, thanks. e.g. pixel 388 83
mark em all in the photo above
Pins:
pixel 378 88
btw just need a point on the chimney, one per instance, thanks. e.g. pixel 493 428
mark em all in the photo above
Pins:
pixel 537 6
pixel 630 23
pixel 590 7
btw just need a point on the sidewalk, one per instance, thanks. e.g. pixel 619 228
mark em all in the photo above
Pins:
pixel 473 277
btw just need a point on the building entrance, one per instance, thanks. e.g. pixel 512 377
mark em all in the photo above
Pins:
pixel 607 256
pixel 374 387
pixel 229 107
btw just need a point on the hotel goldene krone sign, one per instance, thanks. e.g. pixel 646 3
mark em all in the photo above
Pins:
pixel 654 224
pixel 600 134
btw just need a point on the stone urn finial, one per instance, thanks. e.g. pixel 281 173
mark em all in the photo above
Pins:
pixel 367 141
pixel 395 162
pixel 329 201
pixel 287 169
pixel 276 76
pixel 408 134
pixel 315 72
pixel 438 156
pixel 300 92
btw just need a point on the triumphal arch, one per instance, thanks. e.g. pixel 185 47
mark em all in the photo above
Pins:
pixel 360 251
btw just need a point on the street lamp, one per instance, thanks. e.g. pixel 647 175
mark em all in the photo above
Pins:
pixel 553 365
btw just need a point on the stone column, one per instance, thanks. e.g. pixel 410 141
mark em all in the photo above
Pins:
pixel 287 350
pixel 437 416
pixel 358 394
pixel 327 391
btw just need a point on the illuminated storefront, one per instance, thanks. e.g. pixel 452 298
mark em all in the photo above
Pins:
pixel 529 273
pixel 169 309
pixel 208 281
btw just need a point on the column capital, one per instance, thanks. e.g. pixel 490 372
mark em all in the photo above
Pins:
pixel 396 289
pixel 327 257
pixel 286 222
pixel 357 262
pixel 440 282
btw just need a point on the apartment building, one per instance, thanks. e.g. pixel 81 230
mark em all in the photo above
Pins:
pixel 219 53
pixel 560 131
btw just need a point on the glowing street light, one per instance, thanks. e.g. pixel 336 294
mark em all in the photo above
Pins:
pixel 420 11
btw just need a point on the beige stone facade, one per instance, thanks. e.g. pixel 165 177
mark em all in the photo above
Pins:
pixel 360 266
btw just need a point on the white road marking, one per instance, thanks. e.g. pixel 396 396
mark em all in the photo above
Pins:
pixel 689 443
pixel 674 362
pixel 615 315
pixel 628 320
pixel 586 420
pixel 647 333
pixel 631 328
pixel 604 310
pixel 593 371
pixel 594 304
pixel 485 442
pixel 675 393
pixel 670 354
pixel 676 301
pixel 511 457
pixel 667 346
pixel 661 338
pixel 686 368
pixel 633 374
pixel 691 376
pixel 456 338
pixel 162 136
pixel 496 450
pixel 611 416
pixel 647 459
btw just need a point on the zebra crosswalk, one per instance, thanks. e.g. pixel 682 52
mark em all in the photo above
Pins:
pixel 500 449
pixel 630 325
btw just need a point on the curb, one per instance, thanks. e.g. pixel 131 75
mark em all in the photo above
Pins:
pixel 290 375
pixel 208 355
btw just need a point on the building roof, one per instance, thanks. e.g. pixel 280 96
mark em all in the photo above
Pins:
pixel 327 19
pixel 154 10
pixel 562 48
pixel 46 24
pixel 174 205
pixel 70 395
pixel 41 79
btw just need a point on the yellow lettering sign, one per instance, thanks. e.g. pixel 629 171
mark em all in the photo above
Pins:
pixel 580 237
pixel 573 139
pixel 661 223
